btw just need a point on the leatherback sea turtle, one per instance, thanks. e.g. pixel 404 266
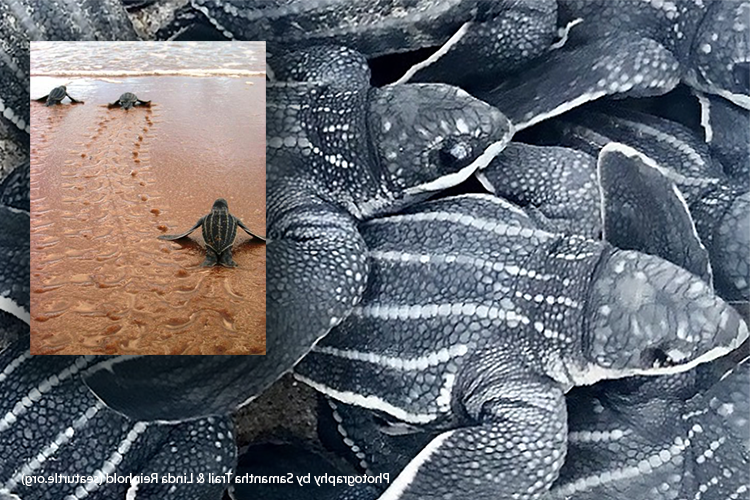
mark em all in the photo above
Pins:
pixel 339 152
pixel 219 231
pixel 662 438
pixel 129 100
pixel 56 96
pixel 631 48
pixel 718 204
pixel 51 423
pixel 475 322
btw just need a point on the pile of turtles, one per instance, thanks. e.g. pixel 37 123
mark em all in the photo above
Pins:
pixel 508 242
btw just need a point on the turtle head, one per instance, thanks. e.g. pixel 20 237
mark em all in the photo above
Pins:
pixel 220 204
pixel 647 316
pixel 721 51
pixel 431 137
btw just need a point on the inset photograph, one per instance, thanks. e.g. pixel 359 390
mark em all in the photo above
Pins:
pixel 148 198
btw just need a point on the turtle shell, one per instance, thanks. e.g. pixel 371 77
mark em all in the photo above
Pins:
pixel 219 228
pixel 57 94
pixel 128 97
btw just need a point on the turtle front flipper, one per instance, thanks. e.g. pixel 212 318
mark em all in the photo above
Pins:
pixel 516 440
pixel 197 447
pixel 114 104
pixel 244 228
pixel 74 101
pixel 42 99
pixel 643 210
pixel 519 34
pixel 170 237
pixel 316 275
pixel 612 66
pixel 146 104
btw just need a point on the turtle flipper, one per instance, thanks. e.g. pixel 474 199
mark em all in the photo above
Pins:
pixel 74 101
pixel 533 96
pixel 643 210
pixel 146 104
pixel 42 99
pixel 170 237
pixel 225 259
pixel 315 277
pixel 114 104
pixel 523 409
pixel 211 258
pixel 534 30
pixel 174 387
pixel 559 182
pixel 197 447
pixel 244 228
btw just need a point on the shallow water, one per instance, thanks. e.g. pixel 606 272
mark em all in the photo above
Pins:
pixel 147 58
pixel 107 182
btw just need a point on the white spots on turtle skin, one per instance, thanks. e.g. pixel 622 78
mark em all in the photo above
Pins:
pixel 598 436
pixel 35 394
pixel 512 318
pixel 705 48
pixel 13 117
pixel 15 363
pixel 109 466
pixel 356 450
pixel 446 392
pixel 495 266
pixel 51 449
pixel 483 224
pixel 645 466
pixel 419 363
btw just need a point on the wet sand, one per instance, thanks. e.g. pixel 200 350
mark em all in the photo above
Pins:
pixel 106 183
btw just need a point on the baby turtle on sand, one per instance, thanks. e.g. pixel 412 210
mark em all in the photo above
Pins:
pixel 219 230
pixel 128 100
pixel 57 95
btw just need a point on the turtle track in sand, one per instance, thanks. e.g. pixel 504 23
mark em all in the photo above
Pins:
pixel 101 281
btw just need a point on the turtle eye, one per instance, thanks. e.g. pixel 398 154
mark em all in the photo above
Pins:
pixel 741 75
pixel 656 358
pixel 455 154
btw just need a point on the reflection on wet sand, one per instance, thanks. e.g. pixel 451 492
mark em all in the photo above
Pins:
pixel 106 183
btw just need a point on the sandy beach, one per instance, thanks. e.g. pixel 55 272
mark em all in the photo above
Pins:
pixel 105 183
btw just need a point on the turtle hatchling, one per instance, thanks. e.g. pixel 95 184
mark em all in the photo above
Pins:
pixel 476 321
pixel 219 230
pixel 129 100
pixel 57 95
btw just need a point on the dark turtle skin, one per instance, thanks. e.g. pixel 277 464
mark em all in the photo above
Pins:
pixel 57 95
pixel 219 231
pixel 129 100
